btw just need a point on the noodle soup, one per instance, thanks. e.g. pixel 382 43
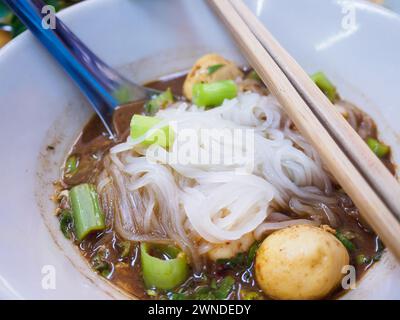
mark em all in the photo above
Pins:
pixel 162 227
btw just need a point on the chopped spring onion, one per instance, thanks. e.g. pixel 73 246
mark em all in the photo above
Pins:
pixel 213 94
pixel 159 102
pixel 71 165
pixel 213 68
pixel 87 214
pixel 378 148
pixel 325 85
pixel 345 241
pixel 164 274
pixel 140 125
pixel 66 223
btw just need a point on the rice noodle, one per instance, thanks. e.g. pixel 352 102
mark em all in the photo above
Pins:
pixel 155 198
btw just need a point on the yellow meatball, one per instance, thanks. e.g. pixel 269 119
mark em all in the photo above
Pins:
pixel 200 72
pixel 300 262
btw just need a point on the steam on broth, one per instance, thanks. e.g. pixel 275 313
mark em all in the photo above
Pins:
pixel 160 227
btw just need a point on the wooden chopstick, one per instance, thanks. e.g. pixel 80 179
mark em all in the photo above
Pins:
pixel 351 143
pixel 319 122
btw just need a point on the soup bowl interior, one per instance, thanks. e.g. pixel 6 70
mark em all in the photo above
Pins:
pixel 43 112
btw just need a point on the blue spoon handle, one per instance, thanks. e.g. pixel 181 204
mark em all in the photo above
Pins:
pixel 107 76
pixel 99 95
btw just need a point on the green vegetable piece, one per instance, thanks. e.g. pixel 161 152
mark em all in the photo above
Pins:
pixel 378 148
pixel 213 68
pixel 124 248
pixel 252 253
pixel 164 274
pixel 225 287
pixel 325 85
pixel 140 125
pixel 66 223
pixel 237 261
pixel 254 76
pixel 213 94
pixel 159 102
pixel 346 242
pixel 362 259
pixel 250 295
pixel 100 264
pixel 71 165
pixel 178 296
pixel 87 214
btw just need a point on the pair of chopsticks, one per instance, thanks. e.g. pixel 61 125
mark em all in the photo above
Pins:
pixel 360 173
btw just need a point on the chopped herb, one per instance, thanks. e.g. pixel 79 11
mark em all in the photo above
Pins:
pixel 214 68
pixel 100 264
pixel 237 261
pixel 66 222
pixel 345 241
pixel 252 253
pixel 216 290
pixel 250 295
pixel 177 296
pixel 124 248
pixel 225 287
pixel 362 259
pixel 241 260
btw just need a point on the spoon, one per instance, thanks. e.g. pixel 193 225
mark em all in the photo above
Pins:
pixel 106 89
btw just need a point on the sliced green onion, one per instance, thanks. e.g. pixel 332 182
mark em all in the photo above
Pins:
pixel 140 125
pixel 213 68
pixel 213 94
pixel 325 85
pixel 161 273
pixel 378 148
pixel 66 223
pixel 71 165
pixel 346 242
pixel 252 253
pixel 87 214
pixel 159 102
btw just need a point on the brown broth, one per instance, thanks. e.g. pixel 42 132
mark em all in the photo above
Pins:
pixel 125 273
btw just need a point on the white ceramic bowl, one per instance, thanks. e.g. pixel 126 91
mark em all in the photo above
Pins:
pixel 148 39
